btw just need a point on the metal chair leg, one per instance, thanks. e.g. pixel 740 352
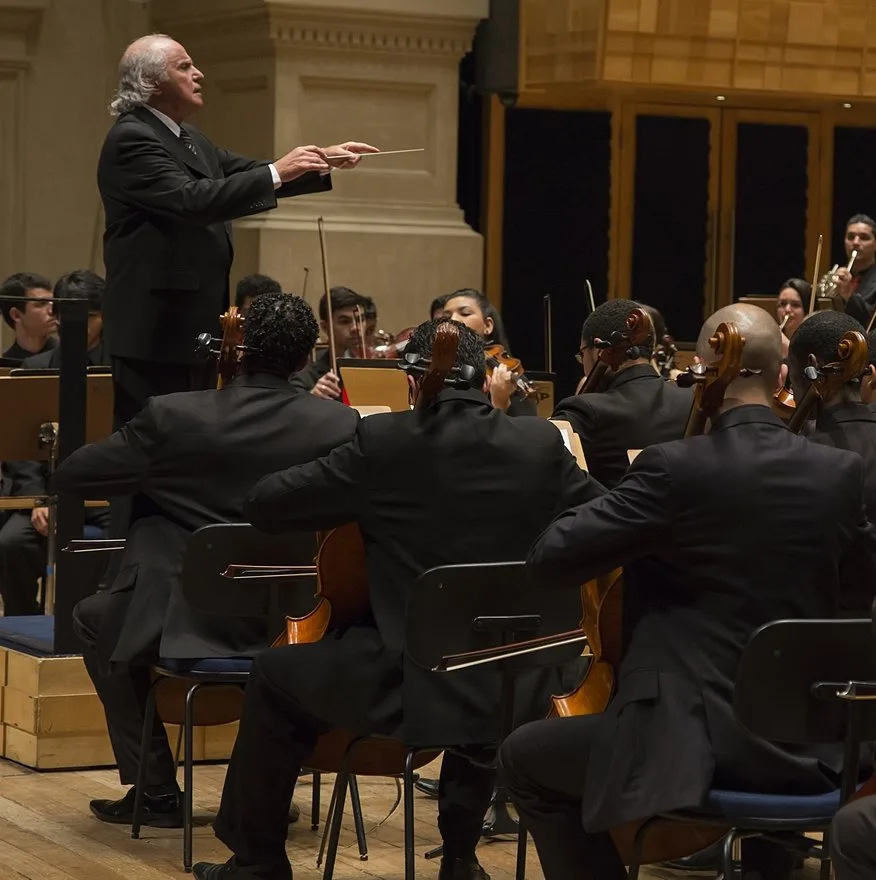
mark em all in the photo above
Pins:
pixel 140 784
pixel 825 860
pixel 188 776
pixel 409 815
pixel 729 863
pixel 328 823
pixel 337 818
pixel 520 873
pixel 358 821
pixel 314 800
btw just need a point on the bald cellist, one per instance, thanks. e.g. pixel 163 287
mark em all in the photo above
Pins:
pixel 718 534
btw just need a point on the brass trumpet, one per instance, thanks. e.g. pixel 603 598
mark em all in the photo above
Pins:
pixel 828 282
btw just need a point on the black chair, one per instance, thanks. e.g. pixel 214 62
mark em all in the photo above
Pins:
pixel 456 617
pixel 250 594
pixel 801 682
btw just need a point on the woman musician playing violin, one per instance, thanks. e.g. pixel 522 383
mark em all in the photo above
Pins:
pixel 508 387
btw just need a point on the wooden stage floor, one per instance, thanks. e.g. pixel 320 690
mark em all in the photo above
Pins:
pixel 47 833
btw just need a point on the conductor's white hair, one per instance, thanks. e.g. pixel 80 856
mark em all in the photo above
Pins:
pixel 142 67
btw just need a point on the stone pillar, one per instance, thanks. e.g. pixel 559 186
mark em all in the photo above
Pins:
pixel 19 26
pixel 281 73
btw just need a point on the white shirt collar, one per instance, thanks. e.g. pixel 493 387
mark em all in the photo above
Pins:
pixel 173 126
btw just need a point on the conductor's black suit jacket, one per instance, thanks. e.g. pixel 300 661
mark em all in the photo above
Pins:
pixel 456 484
pixel 167 244
pixel 192 457
pixel 718 535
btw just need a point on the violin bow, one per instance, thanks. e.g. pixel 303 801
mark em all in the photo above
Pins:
pixel 333 360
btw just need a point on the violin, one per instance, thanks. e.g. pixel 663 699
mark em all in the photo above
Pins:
pixel 229 349
pixel 664 356
pixel 621 346
pixel 496 355
pixel 853 359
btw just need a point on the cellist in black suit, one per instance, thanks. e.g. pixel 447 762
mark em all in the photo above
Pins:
pixel 189 459
pixel 635 408
pixel 169 196
pixel 718 534
pixel 428 487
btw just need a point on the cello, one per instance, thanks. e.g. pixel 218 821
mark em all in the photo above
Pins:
pixel 853 358
pixel 229 349
pixel 621 346
pixel 602 606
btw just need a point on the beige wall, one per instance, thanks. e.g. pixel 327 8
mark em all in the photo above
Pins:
pixel 52 123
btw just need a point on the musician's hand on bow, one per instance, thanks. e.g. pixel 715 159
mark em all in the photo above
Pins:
pixel 843 282
pixel 347 154
pixel 328 387
pixel 300 161
pixel 501 386
pixel 39 519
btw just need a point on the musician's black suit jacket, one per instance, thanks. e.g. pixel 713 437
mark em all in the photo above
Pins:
pixel 853 426
pixel 167 244
pixel 459 483
pixel 862 302
pixel 718 534
pixel 192 457
pixel 637 409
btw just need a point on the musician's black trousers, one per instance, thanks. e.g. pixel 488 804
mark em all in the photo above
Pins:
pixel 22 563
pixel 853 840
pixel 123 690
pixel 275 738
pixel 544 766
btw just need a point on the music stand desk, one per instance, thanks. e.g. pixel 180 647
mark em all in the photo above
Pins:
pixel 374 382
pixel 34 401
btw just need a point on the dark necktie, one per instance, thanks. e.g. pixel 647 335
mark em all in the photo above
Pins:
pixel 187 141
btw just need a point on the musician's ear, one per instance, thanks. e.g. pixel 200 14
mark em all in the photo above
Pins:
pixel 868 385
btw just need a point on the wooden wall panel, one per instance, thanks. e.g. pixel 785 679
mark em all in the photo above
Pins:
pixel 779 46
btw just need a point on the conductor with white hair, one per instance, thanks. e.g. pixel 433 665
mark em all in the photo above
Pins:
pixel 169 195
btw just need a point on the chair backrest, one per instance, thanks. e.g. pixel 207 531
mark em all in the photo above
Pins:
pixel 783 660
pixel 212 548
pixel 445 602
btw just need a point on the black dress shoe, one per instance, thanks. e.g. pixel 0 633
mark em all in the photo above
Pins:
pixel 231 870
pixel 159 811
pixel 427 786
pixel 708 859
pixel 458 869
pixel 294 812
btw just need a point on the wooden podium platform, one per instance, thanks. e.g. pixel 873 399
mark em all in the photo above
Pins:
pixel 52 719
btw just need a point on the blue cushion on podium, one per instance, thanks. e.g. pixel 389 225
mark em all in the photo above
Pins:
pixel 34 634
pixel 208 666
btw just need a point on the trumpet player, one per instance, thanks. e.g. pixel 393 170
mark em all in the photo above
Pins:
pixel 856 289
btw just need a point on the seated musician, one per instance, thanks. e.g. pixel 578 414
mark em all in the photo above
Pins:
pixel 635 408
pixel 192 456
pixel 317 377
pixel 251 286
pixel 23 535
pixel 424 495
pixel 856 290
pixel 793 304
pixel 718 534
pixel 472 308
pixel 34 322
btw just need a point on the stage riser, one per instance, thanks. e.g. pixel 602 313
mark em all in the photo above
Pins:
pixel 52 719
